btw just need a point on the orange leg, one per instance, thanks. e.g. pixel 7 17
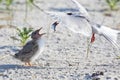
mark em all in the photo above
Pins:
pixel 93 38
pixel 28 64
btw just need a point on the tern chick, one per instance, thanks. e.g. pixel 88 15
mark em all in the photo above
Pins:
pixel 32 50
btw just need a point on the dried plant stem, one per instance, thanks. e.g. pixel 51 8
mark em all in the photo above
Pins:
pixel 2 57
pixel 26 10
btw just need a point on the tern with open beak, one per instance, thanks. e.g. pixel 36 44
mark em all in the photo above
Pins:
pixel 33 49
pixel 81 23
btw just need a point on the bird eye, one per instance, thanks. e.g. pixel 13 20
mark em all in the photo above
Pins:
pixel 69 13
pixel 35 32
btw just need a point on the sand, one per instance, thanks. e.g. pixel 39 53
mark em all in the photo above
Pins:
pixel 64 57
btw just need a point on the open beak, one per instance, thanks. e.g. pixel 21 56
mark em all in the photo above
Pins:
pixel 39 30
pixel 54 25
pixel 42 34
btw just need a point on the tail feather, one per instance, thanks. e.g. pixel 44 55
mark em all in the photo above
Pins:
pixel 111 40
pixel 111 35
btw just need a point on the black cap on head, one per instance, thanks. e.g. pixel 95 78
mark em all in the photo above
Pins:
pixel 69 13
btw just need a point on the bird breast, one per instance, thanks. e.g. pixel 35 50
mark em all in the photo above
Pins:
pixel 40 43
pixel 96 28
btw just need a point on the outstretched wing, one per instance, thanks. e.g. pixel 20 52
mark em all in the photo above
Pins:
pixel 27 51
pixel 29 47
pixel 76 23
pixel 81 9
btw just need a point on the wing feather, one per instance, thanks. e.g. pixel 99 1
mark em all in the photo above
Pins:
pixel 27 51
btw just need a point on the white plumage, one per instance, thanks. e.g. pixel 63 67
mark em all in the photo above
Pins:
pixel 74 22
pixel 108 33
pixel 81 9
pixel 41 45
pixel 82 24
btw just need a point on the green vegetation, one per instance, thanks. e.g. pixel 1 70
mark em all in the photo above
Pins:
pixel 24 34
pixel 28 4
pixel 30 1
pixel 8 3
pixel 0 1
pixel 112 3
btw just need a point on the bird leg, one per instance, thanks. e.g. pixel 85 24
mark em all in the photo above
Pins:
pixel 25 63
pixel 89 43
pixel 93 38
pixel 88 47
pixel 28 64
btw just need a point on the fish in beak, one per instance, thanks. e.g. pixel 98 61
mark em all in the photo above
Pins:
pixel 54 25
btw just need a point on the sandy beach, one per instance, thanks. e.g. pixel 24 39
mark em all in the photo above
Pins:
pixel 64 57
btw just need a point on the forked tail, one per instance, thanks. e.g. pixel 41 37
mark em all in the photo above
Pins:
pixel 111 35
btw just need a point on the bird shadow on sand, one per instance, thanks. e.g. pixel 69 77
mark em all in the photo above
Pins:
pixel 13 48
pixel 76 10
pixel 94 10
pixel 64 9
pixel 15 66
